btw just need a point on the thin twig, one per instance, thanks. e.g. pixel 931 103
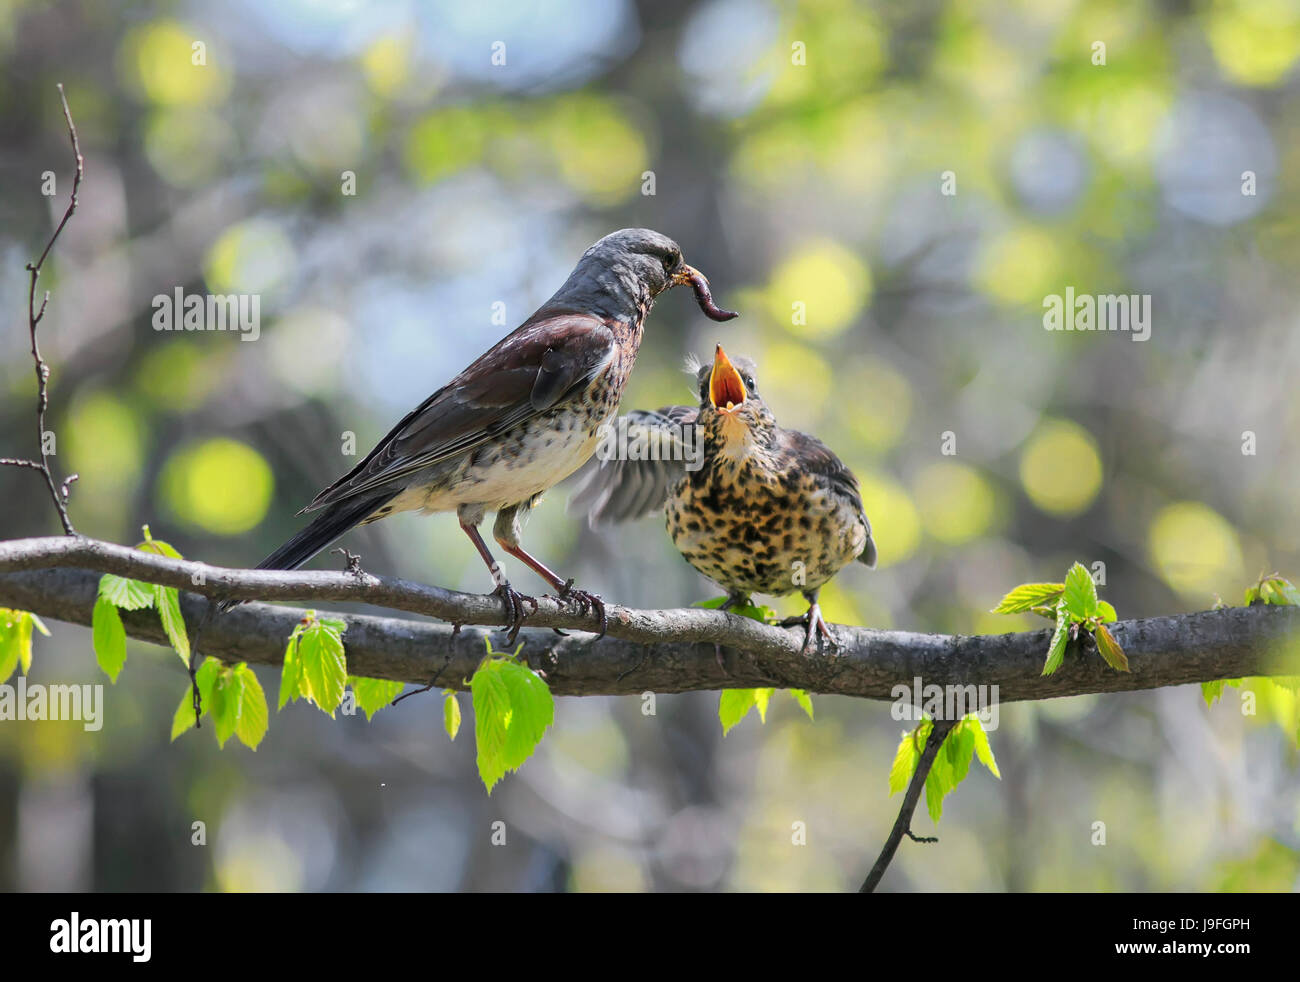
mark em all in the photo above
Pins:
pixel 903 824
pixel 58 492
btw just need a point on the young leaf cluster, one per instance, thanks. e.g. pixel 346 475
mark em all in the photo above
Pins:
pixel 1073 606
pixel 951 764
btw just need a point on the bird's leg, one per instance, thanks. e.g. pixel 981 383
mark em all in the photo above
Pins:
pixel 506 532
pixel 513 600
pixel 815 622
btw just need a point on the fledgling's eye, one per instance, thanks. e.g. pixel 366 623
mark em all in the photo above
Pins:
pixel 749 382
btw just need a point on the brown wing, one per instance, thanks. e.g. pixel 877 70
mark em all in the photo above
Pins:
pixel 819 459
pixel 615 489
pixel 524 374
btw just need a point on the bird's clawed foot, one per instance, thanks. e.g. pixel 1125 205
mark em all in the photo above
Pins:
pixel 352 562
pixel 514 603
pixel 586 603
pixel 816 624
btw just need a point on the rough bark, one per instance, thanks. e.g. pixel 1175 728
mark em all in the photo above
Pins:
pixel 646 650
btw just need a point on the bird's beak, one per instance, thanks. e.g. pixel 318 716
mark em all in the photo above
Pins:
pixel 703 296
pixel 726 389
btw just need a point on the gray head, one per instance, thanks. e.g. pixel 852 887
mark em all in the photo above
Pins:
pixel 622 274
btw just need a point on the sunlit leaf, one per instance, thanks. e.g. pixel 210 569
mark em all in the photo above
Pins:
pixel 733 706
pixel 1027 596
pixel 1110 649
pixel 1060 638
pixel 373 695
pixel 108 636
pixel 126 594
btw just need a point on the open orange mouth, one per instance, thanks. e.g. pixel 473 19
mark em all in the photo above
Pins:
pixel 726 390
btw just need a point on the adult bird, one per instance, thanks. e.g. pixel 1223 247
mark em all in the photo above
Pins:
pixel 754 507
pixel 524 416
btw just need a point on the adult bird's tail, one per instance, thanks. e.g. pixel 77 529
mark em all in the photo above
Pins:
pixel 323 532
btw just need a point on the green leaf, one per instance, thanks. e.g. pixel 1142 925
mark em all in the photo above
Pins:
pixel 1080 593
pixel 733 706
pixel 1027 596
pixel 108 637
pixel 451 713
pixel 373 695
pixel 1056 650
pixel 1105 611
pixel 227 701
pixel 982 748
pixel 761 698
pixel 513 707
pixel 803 699
pixel 205 677
pixel 291 679
pixel 1211 691
pixel 938 782
pixel 9 643
pixel 320 649
pixel 754 612
pixel 1284 592
pixel 16 640
pixel 491 701
pixel 532 710
pixel 960 749
pixel 253 713
pixel 1110 648
pixel 907 756
pixel 124 593
pixel 168 601
pixel 150 544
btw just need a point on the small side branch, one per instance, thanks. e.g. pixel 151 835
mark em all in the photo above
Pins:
pixel 59 492
pixel 903 824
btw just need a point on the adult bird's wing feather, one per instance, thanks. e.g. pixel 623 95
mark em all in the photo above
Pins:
pixel 616 489
pixel 545 360
pixel 820 459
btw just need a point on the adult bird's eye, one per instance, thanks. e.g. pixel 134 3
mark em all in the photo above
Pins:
pixel 670 262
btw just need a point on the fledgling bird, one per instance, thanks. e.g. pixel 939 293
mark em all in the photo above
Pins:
pixel 520 419
pixel 768 510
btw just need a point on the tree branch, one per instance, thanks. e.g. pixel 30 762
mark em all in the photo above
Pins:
pixel 903 824
pixel 658 650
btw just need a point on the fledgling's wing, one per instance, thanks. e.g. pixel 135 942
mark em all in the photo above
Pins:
pixel 614 488
pixel 541 363
pixel 815 456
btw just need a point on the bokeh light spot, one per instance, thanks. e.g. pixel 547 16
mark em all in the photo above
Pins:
pixel 220 485
pixel 956 503
pixel 832 284
pixel 895 523
pixel 1060 468
pixel 1195 550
